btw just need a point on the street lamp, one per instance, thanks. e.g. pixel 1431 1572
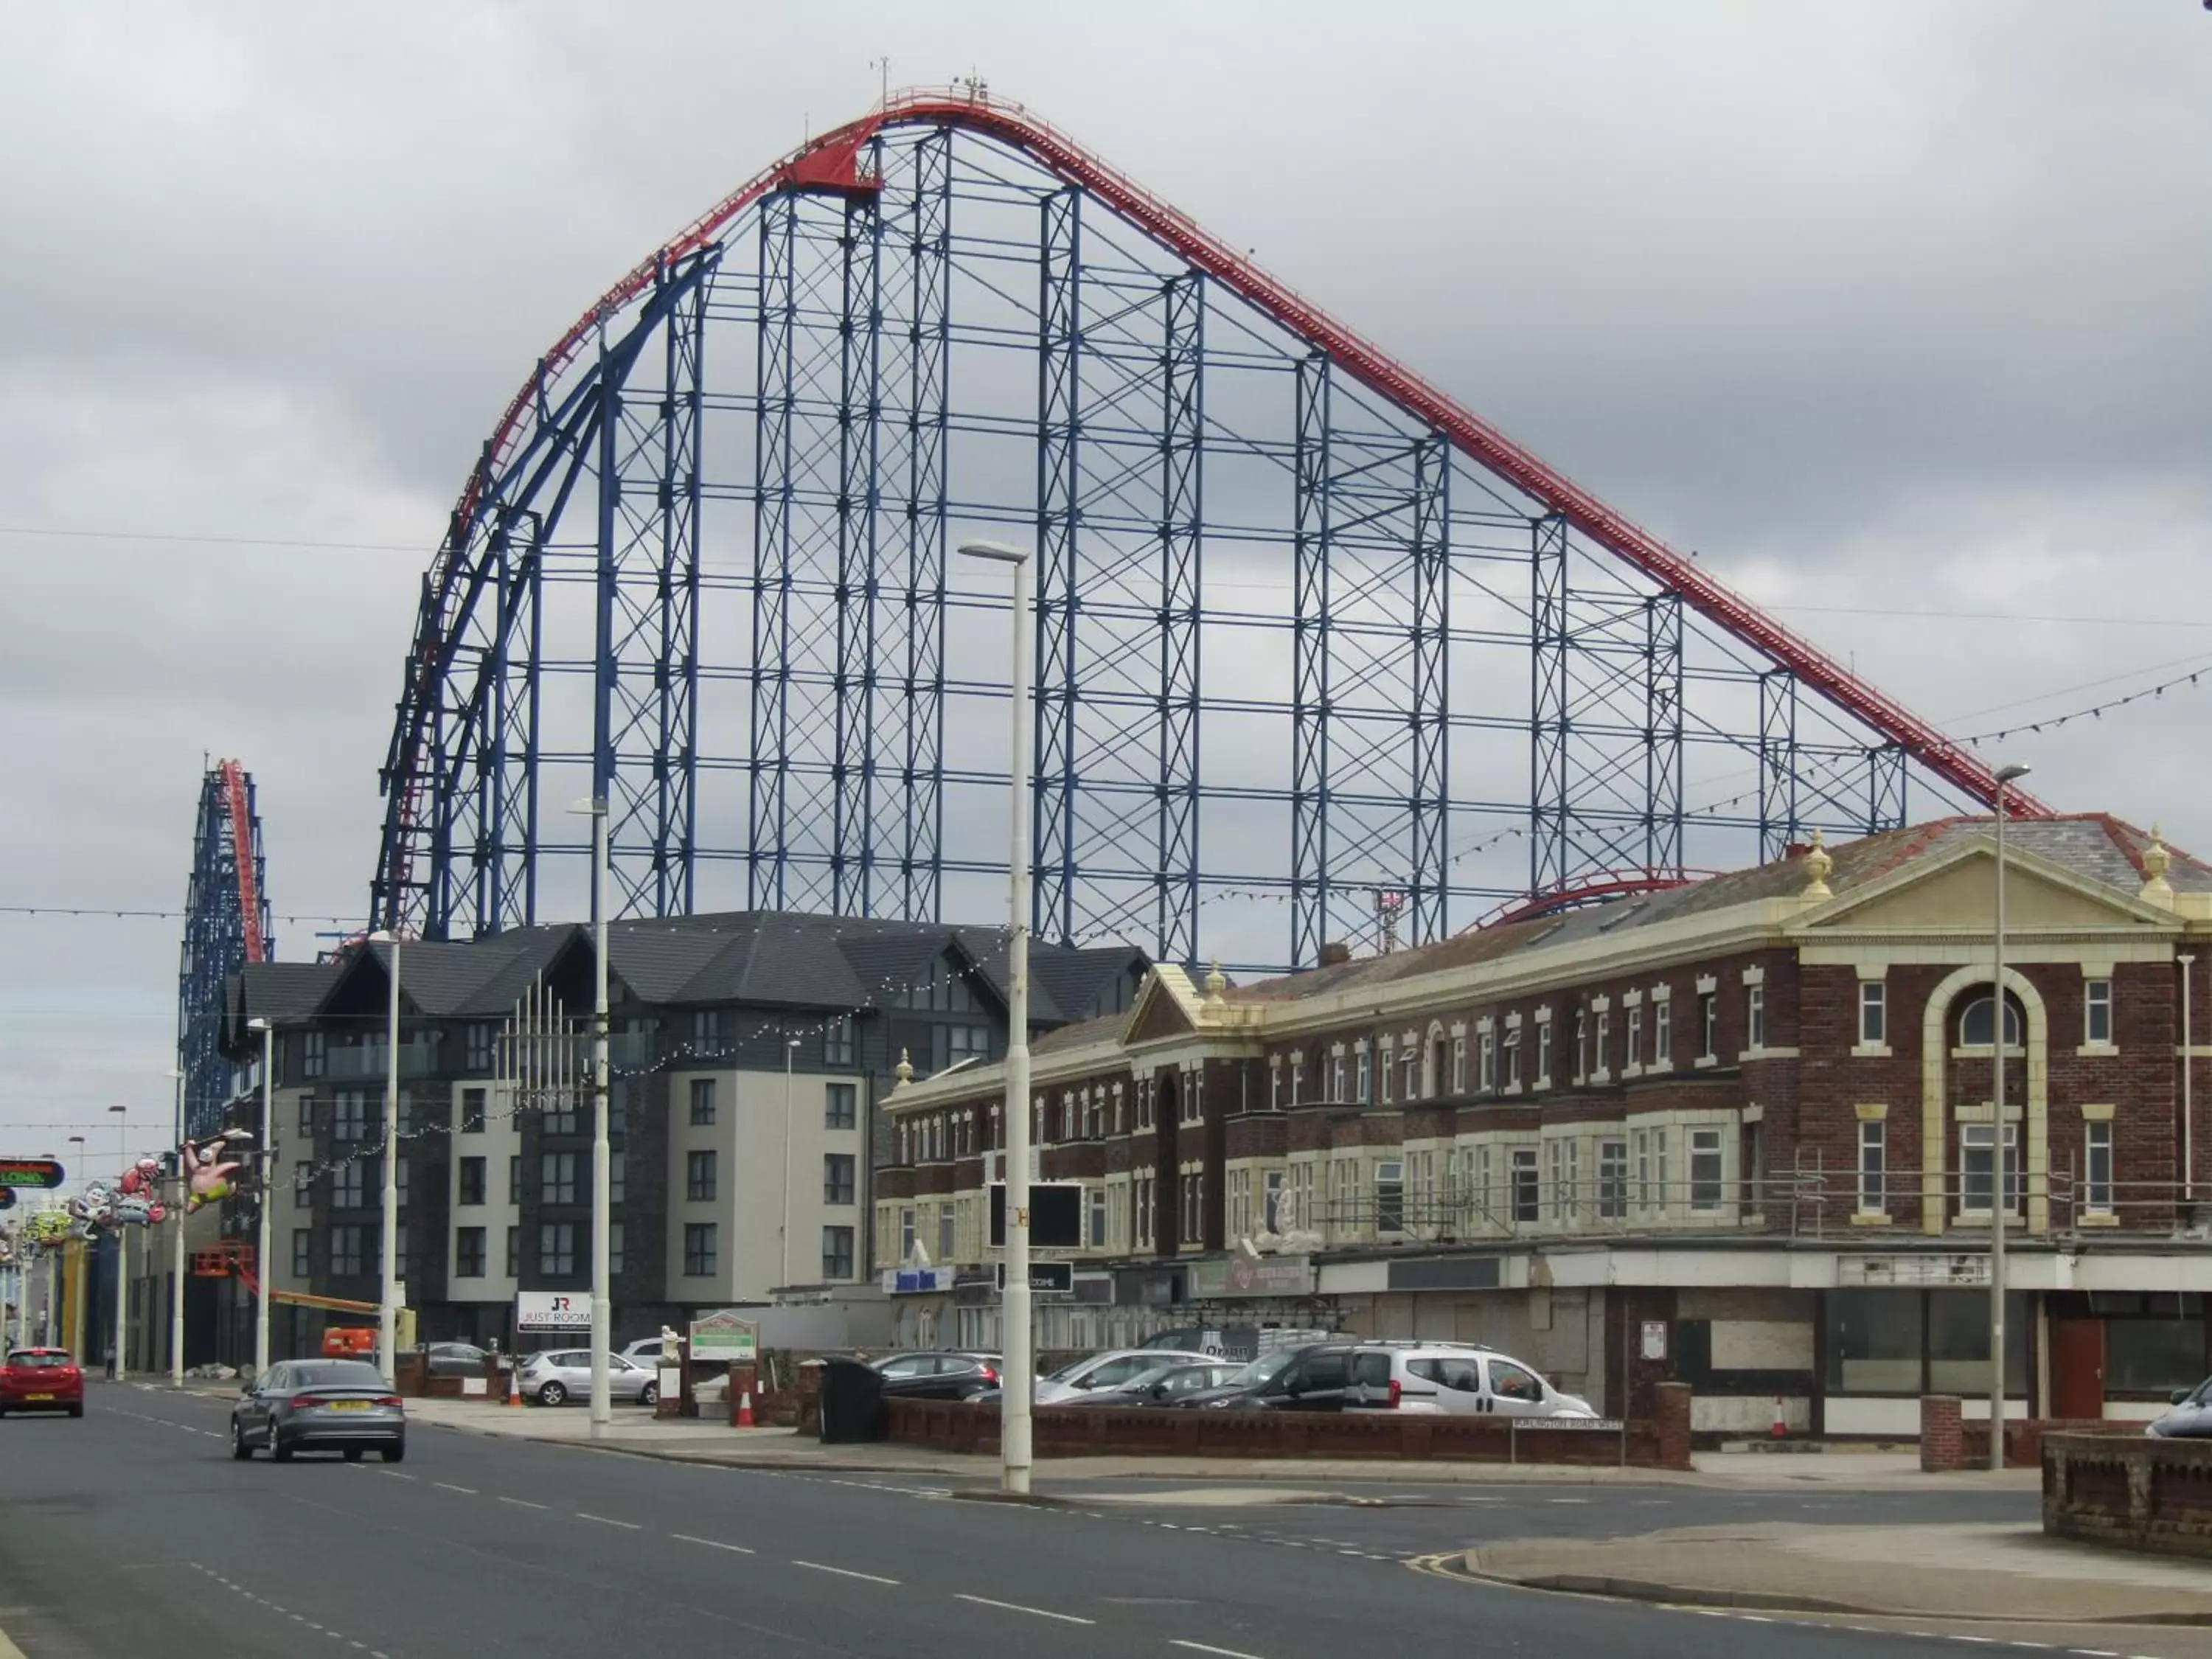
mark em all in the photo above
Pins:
pixel 602 1151
pixel 122 1116
pixel 790 1049
pixel 1014 1413
pixel 387 1306
pixel 177 1247
pixel 268 1171
pixel 83 1256
pixel 2001 1194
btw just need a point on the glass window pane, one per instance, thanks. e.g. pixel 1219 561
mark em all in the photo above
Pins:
pixel 1959 1342
pixel 2153 1356
pixel 1874 1342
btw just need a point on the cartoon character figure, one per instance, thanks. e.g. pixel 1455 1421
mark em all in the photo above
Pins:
pixel 143 1179
pixel 209 1169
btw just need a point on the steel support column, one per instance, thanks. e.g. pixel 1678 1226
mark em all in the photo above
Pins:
pixel 1059 554
pixel 1778 764
pixel 1427 803
pixel 1551 856
pixel 768 768
pixel 1311 891
pixel 1663 731
pixel 858 578
pixel 1183 356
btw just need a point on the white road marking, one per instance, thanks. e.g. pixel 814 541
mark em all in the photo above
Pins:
pixel 844 1572
pixel 711 1543
pixel 1202 1647
pixel 396 1475
pixel 1016 1607
pixel 627 1526
pixel 447 1485
pixel 522 1503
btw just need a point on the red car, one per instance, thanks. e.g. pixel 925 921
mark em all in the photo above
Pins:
pixel 41 1380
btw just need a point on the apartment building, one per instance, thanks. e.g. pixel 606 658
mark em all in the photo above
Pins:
pixel 1741 1132
pixel 748 1052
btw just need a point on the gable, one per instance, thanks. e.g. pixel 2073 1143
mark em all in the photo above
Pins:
pixel 1958 896
pixel 1157 1014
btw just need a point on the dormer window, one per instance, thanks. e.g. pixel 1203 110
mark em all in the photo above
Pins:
pixel 1976 1023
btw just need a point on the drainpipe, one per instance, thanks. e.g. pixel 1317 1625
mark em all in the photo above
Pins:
pixel 2188 1074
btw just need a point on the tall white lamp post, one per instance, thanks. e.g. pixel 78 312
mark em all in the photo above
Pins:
pixel 122 1246
pixel 265 1197
pixel 2001 1192
pixel 177 1248
pixel 80 1153
pixel 1014 1413
pixel 387 1302
pixel 783 1250
pixel 602 1148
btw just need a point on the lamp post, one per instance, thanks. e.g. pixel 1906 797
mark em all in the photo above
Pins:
pixel 84 1260
pixel 2001 1192
pixel 264 1197
pixel 177 1248
pixel 783 1243
pixel 602 1151
pixel 122 1116
pixel 1014 1414
pixel 387 1307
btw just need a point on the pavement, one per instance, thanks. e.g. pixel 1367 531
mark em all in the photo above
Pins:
pixel 133 1530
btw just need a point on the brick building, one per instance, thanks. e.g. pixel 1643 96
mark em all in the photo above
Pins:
pixel 1741 1134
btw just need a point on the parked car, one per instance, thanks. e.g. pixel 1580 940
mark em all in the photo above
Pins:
pixel 1450 1380
pixel 41 1380
pixel 1109 1369
pixel 1309 1379
pixel 645 1351
pixel 1165 1386
pixel 945 1375
pixel 455 1359
pixel 556 1376
pixel 2190 1416
pixel 320 1405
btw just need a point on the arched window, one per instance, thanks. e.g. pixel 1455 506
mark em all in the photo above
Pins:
pixel 1975 1023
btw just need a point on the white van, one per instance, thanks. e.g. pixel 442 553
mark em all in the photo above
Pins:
pixel 1453 1380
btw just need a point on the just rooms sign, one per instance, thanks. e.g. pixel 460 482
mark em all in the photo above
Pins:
pixel 552 1310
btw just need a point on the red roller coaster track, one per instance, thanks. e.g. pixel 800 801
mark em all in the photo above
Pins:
pixel 241 841
pixel 832 162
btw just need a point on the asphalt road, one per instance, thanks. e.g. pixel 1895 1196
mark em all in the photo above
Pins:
pixel 131 1531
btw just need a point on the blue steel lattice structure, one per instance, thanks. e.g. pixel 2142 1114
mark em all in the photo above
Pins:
pixel 1312 641
pixel 226 926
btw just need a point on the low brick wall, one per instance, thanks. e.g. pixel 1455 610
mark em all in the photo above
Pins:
pixel 2129 1490
pixel 1662 1442
pixel 1948 1442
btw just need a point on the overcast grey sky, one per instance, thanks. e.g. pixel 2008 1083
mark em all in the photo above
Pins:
pixel 1882 308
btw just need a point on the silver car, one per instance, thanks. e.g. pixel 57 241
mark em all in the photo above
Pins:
pixel 557 1376
pixel 320 1405
pixel 1114 1369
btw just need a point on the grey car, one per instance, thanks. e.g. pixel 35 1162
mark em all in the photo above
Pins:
pixel 557 1376
pixel 320 1405
pixel 2190 1417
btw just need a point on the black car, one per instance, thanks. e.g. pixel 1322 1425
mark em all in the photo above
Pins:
pixel 2190 1418
pixel 1310 1379
pixel 941 1376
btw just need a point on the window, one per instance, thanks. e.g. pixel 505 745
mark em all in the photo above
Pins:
pixel 1411 1062
pixel 1709 1024
pixel 1582 1045
pixel 476 1042
pixel 1604 1051
pixel 1274 1089
pixel 1873 1013
pixel 1095 1204
pixel 703 1100
pixel 1336 1076
pixel 1364 1088
pixel 515 1179
pixel 1271 1202
pixel 906 1233
pixel 556 1248
pixel 557 1178
pixel 699 1249
pixel 1544 1054
pixel 315 1053
pixel 2153 1356
pixel 964 1043
pixel 348 1183
pixel 303 1247
pixel 472 1181
pixel 614 1246
pixel 2097 1184
pixel 1488 1072
pixel 1663 1031
pixel 349 1116
pixel 1754 1016
pixel 1193 1209
pixel 307 1115
pixel 1635 1056
pixel 1140 1211
pixel 469 1252
pixel 302 1181
pixel 1611 1180
pixel 1641 1141
pixel 943 987
pixel 1527 1200
pixel 1298 1073
pixel 837 1042
pixel 1390 1197
pixel 2097 1010
pixel 841 1105
pixel 706 1031
pixel 1974 1025
pixel 472 1111
pixel 1513 1057
pixel 1977 1143
pixel 837 1253
pixel 559 1117
pixel 514 1252
pixel 837 1178
pixel 1664 1192
pixel 1705 1168
pixel 348 1250
pixel 699 1177
pixel 1459 1064
pixel 1873 1167
pixel 945 1225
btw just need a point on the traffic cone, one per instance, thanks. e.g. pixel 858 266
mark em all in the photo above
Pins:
pixel 514 1385
pixel 745 1410
pixel 1781 1430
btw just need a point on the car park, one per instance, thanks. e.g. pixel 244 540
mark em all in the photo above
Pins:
pixel 938 1376
pixel 1164 1386
pixel 1309 1379
pixel 41 1380
pixel 2188 1417
pixel 320 1405
pixel 1453 1380
pixel 554 1376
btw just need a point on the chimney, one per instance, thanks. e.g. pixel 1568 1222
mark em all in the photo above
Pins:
pixel 1335 954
